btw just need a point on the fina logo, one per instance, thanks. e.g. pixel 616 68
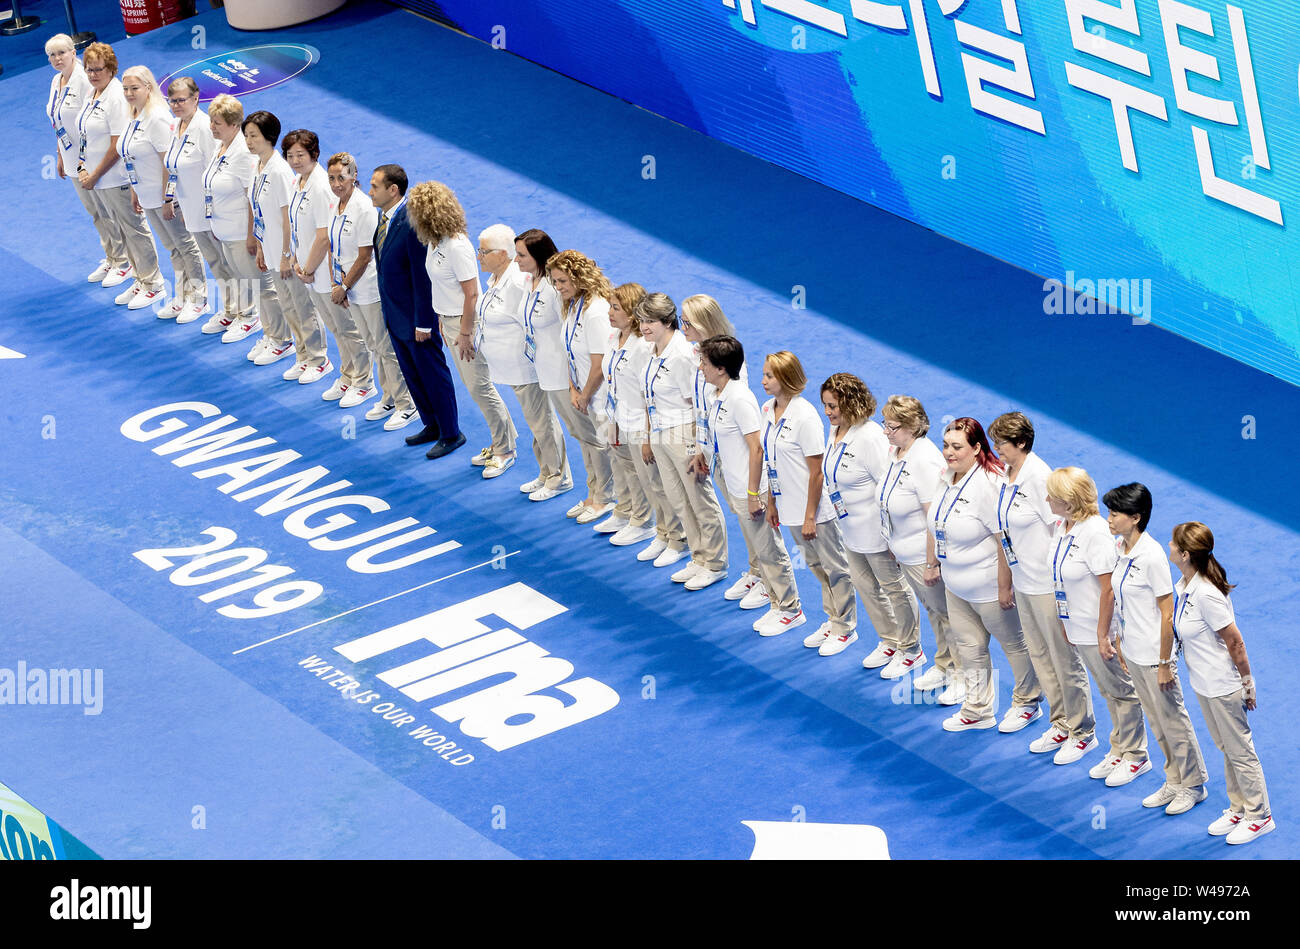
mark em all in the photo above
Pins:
pixel 252 69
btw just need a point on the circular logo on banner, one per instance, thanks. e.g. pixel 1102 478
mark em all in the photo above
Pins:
pixel 246 70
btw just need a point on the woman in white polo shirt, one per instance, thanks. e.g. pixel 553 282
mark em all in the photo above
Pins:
pixel 143 147
pixel 542 314
pixel 102 121
pixel 906 491
pixel 268 195
pixel 670 419
pixel 69 90
pixel 189 151
pixel 1025 522
pixel 793 446
pixel 1221 678
pixel 735 452
pixel 501 332
pixel 584 293
pixel 1082 558
pixel 1144 604
pixel 857 456
pixel 354 292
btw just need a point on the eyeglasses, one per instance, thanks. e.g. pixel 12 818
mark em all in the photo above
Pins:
pixel 891 427
pixel 180 100
pixel 495 250
pixel 92 70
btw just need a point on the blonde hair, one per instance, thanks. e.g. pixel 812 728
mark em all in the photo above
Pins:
pixel 1074 488
pixel 228 109
pixel 434 212
pixel 629 297
pixel 704 313
pixel 344 160
pixel 155 99
pixel 59 43
pixel 787 371
pixel 589 281
pixel 907 412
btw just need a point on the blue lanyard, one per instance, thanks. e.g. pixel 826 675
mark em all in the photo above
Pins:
pixel 124 143
pixel 965 481
pixel 701 391
pixel 570 333
pixel 336 244
pixel 1180 604
pixel 86 113
pixel 176 148
pixel 1058 560
pixel 258 188
pixel 612 378
pixel 834 478
pixel 771 455
pixel 651 377
pixel 211 174
pixel 535 297
pixel 716 409
pixel 56 104
pixel 1120 588
pixel 1004 524
pixel 886 495
pixel 487 298
pixel 295 212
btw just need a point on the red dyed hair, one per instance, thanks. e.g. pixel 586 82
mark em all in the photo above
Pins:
pixel 975 437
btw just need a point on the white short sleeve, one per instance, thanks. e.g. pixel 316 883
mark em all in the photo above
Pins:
pixel 460 254
pixel 1216 611
pixel 1099 552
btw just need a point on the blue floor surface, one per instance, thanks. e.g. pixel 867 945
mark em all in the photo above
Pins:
pixel 713 724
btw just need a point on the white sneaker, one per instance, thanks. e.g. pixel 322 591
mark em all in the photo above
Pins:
pixel 1248 831
pixel 127 295
pixel 1227 820
pixel 217 323
pixel 293 372
pixel 401 419
pixel 835 645
pixel 1127 772
pixel 1160 797
pixel 257 348
pixel 528 487
pixel 1049 740
pixel 143 298
pixel 611 525
pixel 704 578
pixel 1185 799
pixel 777 622
pixel 688 571
pixel 576 509
pixel 936 678
pixel 1071 752
pixel 593 513
pixel 380 410
pixel 191 312
pixel 116 276
pixel 356 395
pixel 960 723
pixel 633 534
pixel 274 352
pixel 879 656
pixel 756 597
pixel 241 329
pixel 818 636
pixel 99 273
pixel 1103 768
pixel 742 586
pixel 171 309
pixel 668 556
pixel 334 393
pixel 902 664
pixel 498 465
pixel 1017 717
pixel 955 694
pixel 545 494
pixel 657 547
pixel 482 457
pixel 315 373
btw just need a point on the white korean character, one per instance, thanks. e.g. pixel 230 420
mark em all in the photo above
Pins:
pixel 804 10
pixel 980 71
pixel 890 16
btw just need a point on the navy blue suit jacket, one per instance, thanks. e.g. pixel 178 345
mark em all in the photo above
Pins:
pixel 404 287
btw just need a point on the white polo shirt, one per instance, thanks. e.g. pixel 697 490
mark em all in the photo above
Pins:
pixel 269 194
pixel 1024 513
pixel 449 262
pixel 586 334
pixel 62 108
pixel 908 483
pixel 141 146
pixel 624 368
pixel 188 154
pixel 702 397
pixel 1140 577
pixel 854 468
pixel 227 178
pixel 1200 612
pixel 352 227
pixel 733 414
pixel 668 384
pixel 965 509
pixel 542 313
pixel 501 323
pixel 310 210
pixel 101 118
pixel 787 445
pixel 1077 558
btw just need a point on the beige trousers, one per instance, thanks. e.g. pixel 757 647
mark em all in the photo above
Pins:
pixel 187 262
pixel 971 626
pixel 210 248
pixel 110 235
pixel 935 601
pixel 1169 722
pixel 1060 670
pixel 668 526
pixel 769 561
pixel 633 505
pixel 115 204
pixel 475 375
pixel 595 457
pixel 304 322
pixel 370 321
pixel 889 601
pixel 254 292
pixel 1128 736
pixel 824 555
pixel 355 368
pixel 692 499
pixel 739 505
pixel 548 437
pixel 1226 718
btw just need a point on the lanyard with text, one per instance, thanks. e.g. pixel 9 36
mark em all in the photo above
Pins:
pixel 1119 592
pixel 716 410
pixel 81 128
pixel 611 380
pixel 173 163
pixel 530 339
pixel 484 301
pixel 887 492
pixel 56 114
pixel 833 478
pixel 124 149
pixel 651 377
pixel 941 527
pixel 1004 523
pixel 296 202
pixel 701 404
pixel 336 244
pixel 773 484
pixel 1180 604
pixel 1058 575
pixel 259 223
pixel 214 169
pixel 569 334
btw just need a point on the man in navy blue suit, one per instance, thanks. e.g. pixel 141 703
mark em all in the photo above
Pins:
pixel 407 299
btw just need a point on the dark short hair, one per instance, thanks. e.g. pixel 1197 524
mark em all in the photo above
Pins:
pixel 394 175
pixel 303 137
pixel 1131 499
pixel 266 123
pixel 725 352
pixel 539 245
pixel 1013 427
